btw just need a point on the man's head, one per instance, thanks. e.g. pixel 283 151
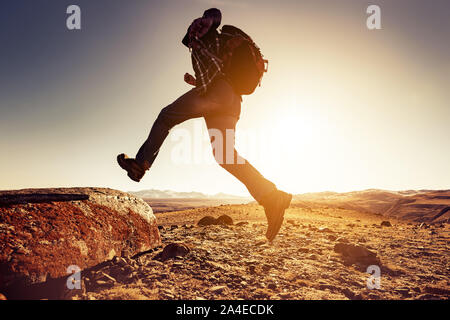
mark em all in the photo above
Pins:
pixel 215 15
pixel 210 20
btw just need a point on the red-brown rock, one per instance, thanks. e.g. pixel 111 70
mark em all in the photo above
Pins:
pixel 44 231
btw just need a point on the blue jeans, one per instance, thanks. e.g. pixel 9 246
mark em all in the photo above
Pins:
pixel 221 108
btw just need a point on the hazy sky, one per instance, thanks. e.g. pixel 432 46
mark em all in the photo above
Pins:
pixel 342 107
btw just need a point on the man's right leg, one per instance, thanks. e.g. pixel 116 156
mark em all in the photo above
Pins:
pixel 222 128
pixel 274 201
pixel 188 106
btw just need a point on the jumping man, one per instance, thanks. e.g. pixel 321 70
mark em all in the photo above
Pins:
pixel 216 99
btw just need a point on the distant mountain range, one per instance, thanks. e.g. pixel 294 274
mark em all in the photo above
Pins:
pixel 415 205
pixel 169 194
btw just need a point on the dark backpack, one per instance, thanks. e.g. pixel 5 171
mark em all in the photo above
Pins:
pixel 243 62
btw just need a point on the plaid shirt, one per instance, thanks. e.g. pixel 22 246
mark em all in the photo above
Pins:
pixel 205 63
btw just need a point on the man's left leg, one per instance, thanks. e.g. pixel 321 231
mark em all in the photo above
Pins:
pixel 189 105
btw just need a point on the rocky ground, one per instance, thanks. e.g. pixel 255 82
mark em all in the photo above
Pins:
pixel 320 253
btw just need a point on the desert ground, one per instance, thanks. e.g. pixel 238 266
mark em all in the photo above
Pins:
pixel 321 252
pixel 180 204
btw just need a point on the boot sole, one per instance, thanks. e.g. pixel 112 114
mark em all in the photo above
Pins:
pixel 281 208
pixel 122 163
pixel 133 177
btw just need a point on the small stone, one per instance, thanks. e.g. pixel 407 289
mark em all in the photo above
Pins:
pixel 224 219
pixel 266 267
pixel 386 224
pixel 172 250
pixel 178 264
pixel 207 221
pixel 107 276
pixel 252 269
pixel 121 262
pixel 349 293
pixel 217 289
pixel 127 269
pixel 356 254
pixel 332 237
pixel 404 291
pixel 312 257
pixel 91 296
pixel 373 296
pixel 132 275
pixel 154 263
pixel 102 283
pixel 352 250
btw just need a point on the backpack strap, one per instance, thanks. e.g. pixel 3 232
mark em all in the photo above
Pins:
pixel 205 50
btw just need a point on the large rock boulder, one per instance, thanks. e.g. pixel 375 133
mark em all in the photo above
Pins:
pixel 44 231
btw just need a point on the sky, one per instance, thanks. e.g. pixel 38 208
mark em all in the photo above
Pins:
pixel 342 107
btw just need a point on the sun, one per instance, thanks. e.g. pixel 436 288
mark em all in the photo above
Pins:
pixel 294 147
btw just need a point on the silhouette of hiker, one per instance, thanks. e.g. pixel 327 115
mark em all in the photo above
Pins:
pixel 214 99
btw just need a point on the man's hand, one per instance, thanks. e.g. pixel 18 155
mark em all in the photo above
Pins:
pixel 198 28
pixel 190 79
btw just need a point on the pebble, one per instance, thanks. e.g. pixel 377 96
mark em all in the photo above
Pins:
pixel 217 289
pixel 386 224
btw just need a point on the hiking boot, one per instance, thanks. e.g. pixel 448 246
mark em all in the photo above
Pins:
pixel 274 206
pixel 134 169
